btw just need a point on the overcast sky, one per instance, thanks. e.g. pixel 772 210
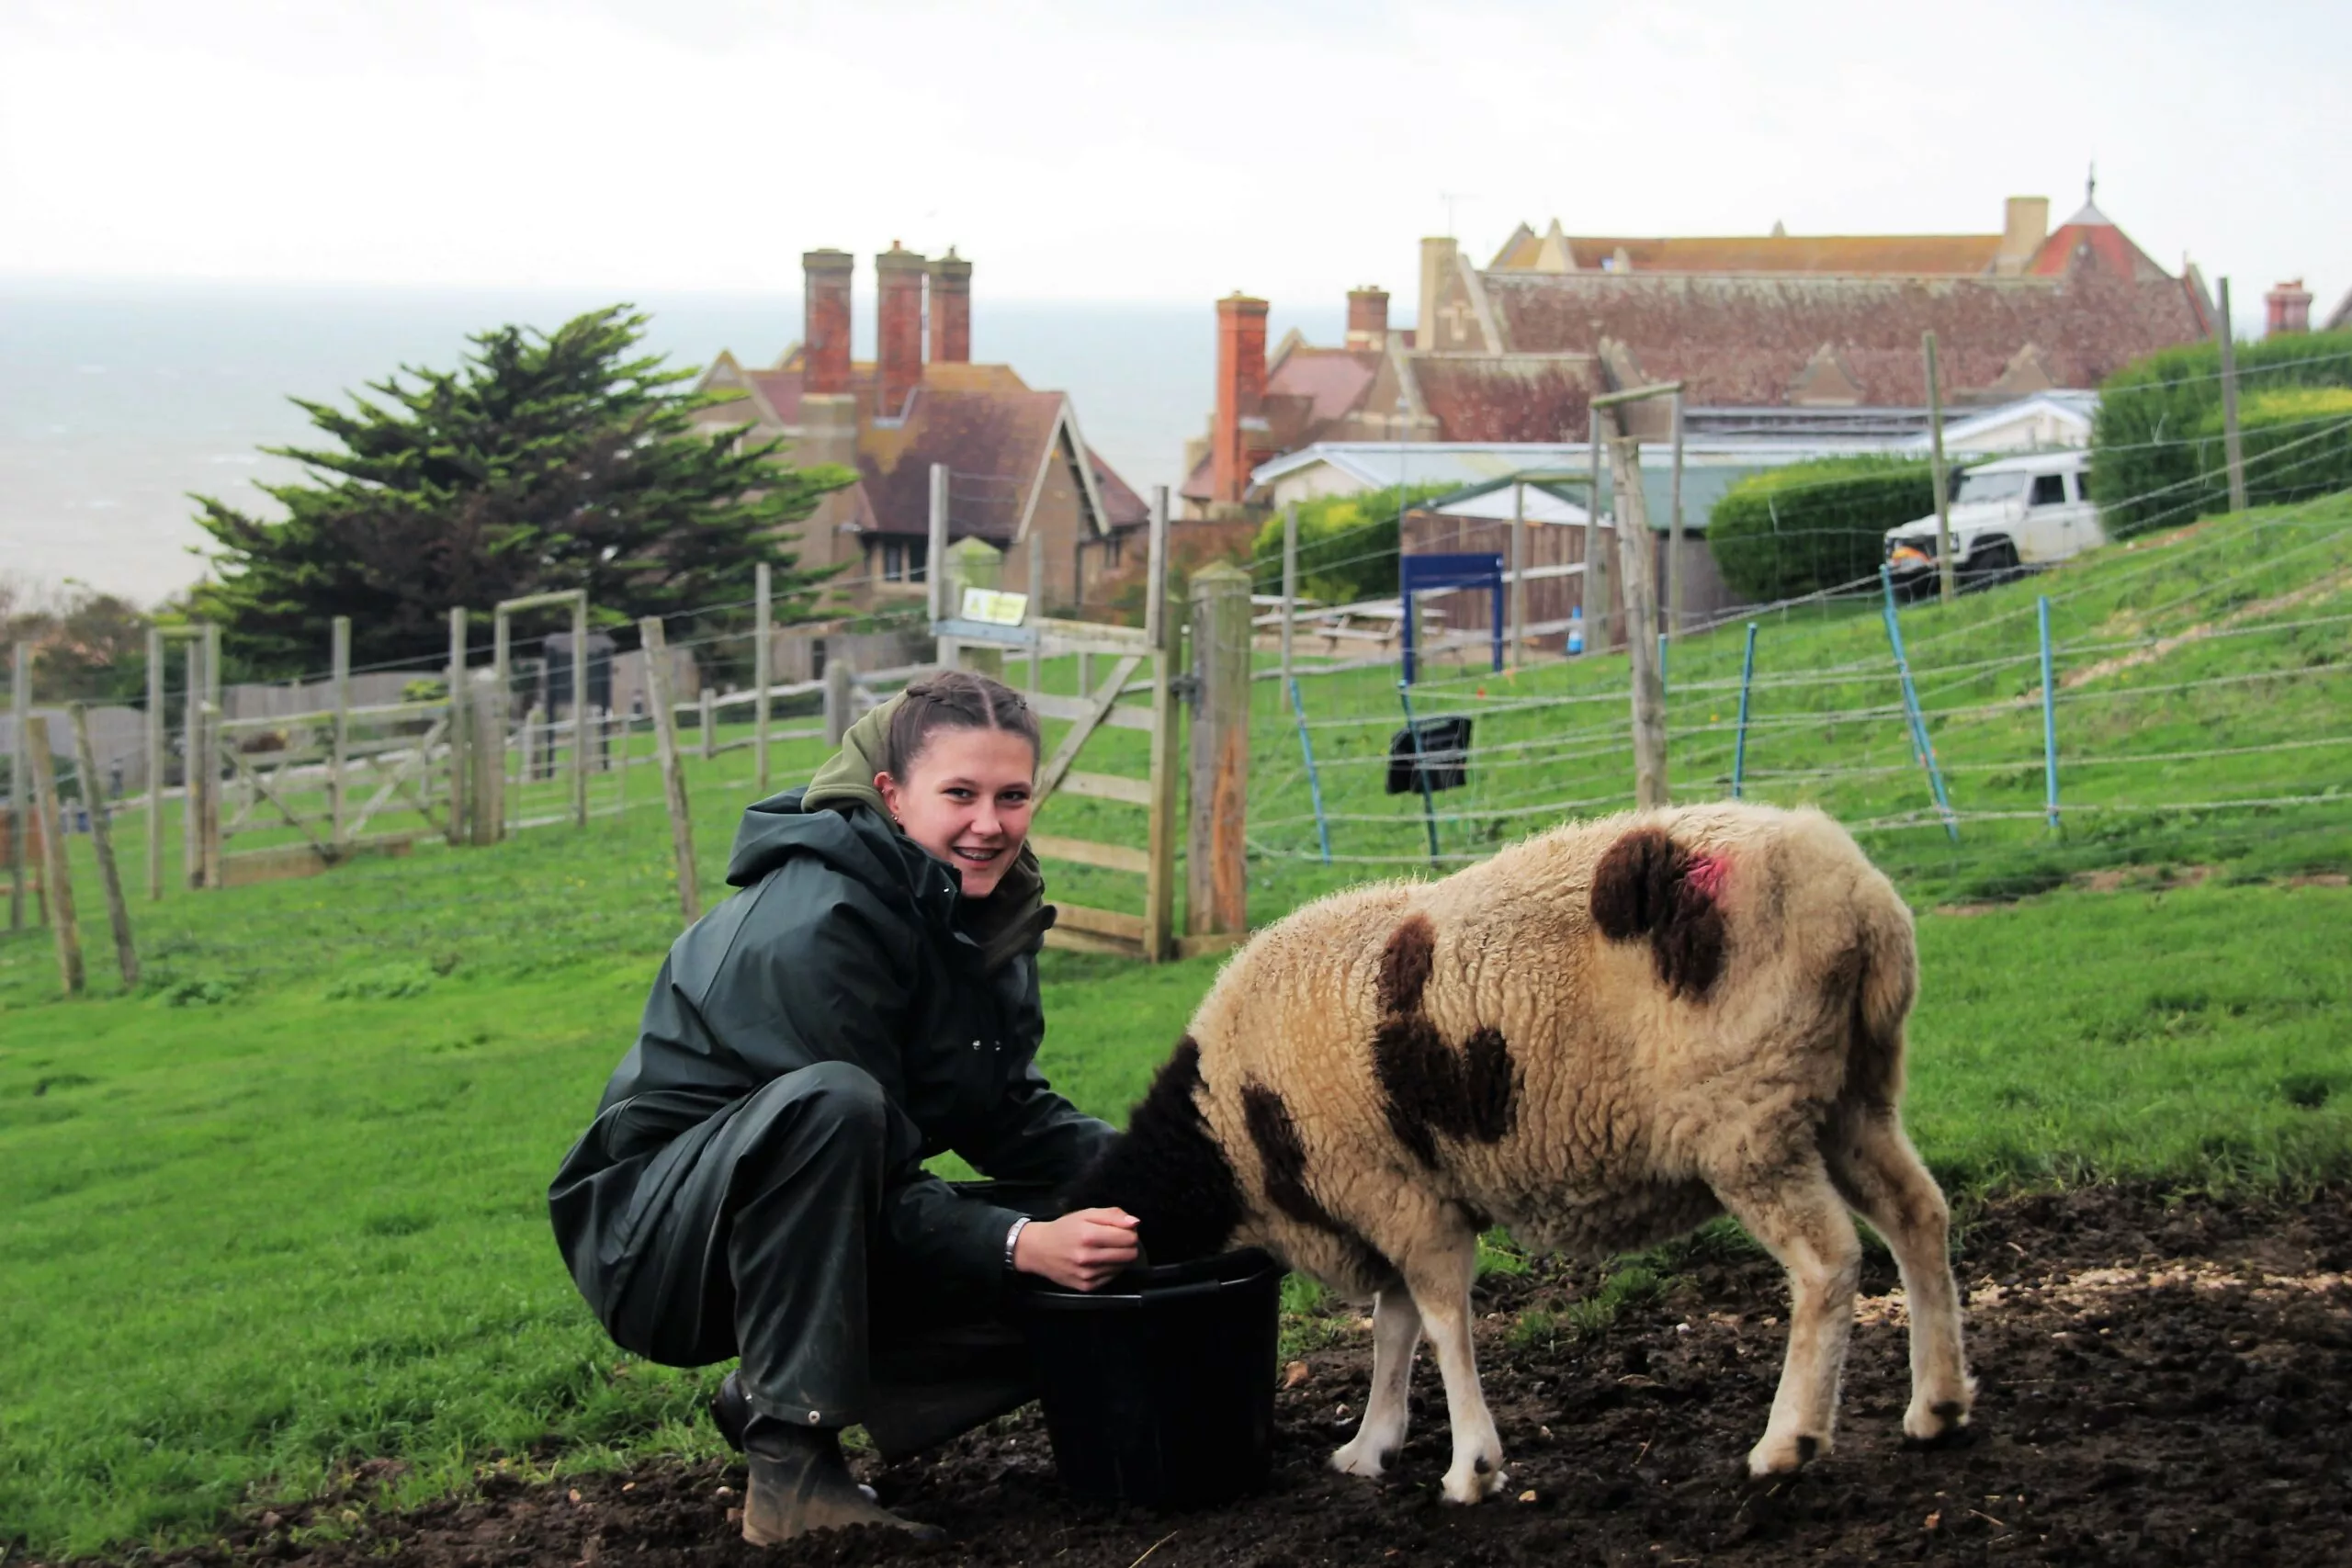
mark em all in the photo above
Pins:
pixel 1133 151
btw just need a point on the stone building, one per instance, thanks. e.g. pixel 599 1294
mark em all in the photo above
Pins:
pixel 1021 475
pixel 1799 337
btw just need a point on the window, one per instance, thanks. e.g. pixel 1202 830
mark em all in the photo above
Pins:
pixel 2048 489
pixel 1989 487
pixel 903 559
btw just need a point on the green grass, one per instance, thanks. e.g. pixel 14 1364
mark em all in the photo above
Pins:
pixel 281 1209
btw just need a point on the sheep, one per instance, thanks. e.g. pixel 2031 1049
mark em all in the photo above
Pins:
pixel 1600 1038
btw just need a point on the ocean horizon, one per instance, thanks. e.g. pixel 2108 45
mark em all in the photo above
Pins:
pixel 119 399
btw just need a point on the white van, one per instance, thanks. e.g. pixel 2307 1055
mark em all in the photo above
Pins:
pixel 2007 516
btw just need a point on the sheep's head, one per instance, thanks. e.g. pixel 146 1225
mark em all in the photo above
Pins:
pixel 1167 1169
pixel 1648 886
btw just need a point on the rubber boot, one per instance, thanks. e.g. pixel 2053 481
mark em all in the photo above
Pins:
pixel 800 1484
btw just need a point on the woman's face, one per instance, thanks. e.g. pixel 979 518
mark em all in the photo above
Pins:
pixel 967 798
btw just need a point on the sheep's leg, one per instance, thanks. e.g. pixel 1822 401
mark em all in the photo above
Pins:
pixel 1879 1174
pixel 1801 1222
pixel 1439 1275
pixel 1396 1331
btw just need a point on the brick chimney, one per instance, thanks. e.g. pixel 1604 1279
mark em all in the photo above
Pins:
pixel 2290 307
pixel 1368 318
pixel 1240 396
pixel 950 310
pixel 824 333
pixel 899 274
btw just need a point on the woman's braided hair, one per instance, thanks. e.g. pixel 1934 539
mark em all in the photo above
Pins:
pixel 956 699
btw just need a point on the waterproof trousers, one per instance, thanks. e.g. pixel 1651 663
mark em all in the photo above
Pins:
pixel 768 1248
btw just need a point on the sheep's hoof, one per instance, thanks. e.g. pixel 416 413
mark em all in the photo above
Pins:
pixel 1784 1455
pixel 1934 1423
pixel 1475 1485
pixel 1364 1458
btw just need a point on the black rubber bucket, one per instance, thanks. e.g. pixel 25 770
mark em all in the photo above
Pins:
pixel 1159 1389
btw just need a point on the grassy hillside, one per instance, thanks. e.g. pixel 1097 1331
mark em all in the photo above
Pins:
pixel 282 1210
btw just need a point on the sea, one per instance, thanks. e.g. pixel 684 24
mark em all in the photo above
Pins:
pixel 118 401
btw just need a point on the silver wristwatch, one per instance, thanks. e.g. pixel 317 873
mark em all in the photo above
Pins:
pixel 1010 1238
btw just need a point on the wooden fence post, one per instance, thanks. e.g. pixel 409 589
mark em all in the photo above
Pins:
pixel 1159 873
pixel 54 875
pixel 486 790
pixel 579 710
pixel 1674 531
pixel 20 816
pixel 935 585
pixel 1290 585
pixel 2233 452
pixel 340 675
pixel 1216 871
pixel 1944 571
pixel 707 719
pixel 156 769
pixel 1634 546
pixel 86 765
pixel 459 680
pixel 673 776
pixel 840 698
pixel 1594 589
pixel 191 768
pixel 1517 575
pixel 762 670
pixel 212 818
pixel 1036 564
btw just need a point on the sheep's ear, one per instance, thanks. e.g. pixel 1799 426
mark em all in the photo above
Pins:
pixel 1633 886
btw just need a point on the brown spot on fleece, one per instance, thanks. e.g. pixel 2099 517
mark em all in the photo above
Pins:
pixel 1648 886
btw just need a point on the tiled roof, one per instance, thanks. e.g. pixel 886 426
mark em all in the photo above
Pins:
pixel 1845 255
pixel 1332 380
pixel 992 443
pixel 1747 340
pixel 982 421
pixel 1515 397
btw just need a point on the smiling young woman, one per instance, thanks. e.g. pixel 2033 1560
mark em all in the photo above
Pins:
pixel 753 1183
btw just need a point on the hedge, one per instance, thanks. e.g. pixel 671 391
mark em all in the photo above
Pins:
pixel 2297 443
pixel 2148 467
pixel 1346 543
pixel 1809 527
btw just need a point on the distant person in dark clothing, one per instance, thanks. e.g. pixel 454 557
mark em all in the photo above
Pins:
pixel 752 1184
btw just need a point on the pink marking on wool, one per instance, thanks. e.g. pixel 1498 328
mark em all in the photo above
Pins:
pixel 1706 873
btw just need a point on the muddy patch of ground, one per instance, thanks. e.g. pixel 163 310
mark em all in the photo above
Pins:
pixel 2160 1383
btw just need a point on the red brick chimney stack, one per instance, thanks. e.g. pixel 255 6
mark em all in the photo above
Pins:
pixel 1240 395
pixel 950 310
pixel 824 333
pixel 1368 318
pixel 898 272
pixel 2290 307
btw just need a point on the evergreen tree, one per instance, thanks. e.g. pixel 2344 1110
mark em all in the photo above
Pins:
pixel 548 461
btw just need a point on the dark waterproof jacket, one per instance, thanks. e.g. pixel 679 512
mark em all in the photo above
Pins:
pixel 848 944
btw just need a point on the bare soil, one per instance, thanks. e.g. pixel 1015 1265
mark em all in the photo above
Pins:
pixel 2160 1383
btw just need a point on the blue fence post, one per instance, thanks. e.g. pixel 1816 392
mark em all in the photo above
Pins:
pixel 1429 803
pixel 1739 746
pixel 1313 781
pixel 2048 714
pixel 1405 603
pixel 1911 712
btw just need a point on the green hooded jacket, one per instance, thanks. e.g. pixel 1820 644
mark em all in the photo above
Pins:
pixel 849 942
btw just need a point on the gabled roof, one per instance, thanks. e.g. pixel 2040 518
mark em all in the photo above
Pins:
pixel 2087 235
pixel 2339 318
pixel 998 438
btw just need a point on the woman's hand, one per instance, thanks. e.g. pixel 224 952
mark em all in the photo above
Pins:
pixel 1080 1250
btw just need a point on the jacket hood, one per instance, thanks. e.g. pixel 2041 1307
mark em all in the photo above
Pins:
pixel 840 818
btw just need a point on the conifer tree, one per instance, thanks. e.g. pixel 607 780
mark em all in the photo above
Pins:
pixel 547 461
